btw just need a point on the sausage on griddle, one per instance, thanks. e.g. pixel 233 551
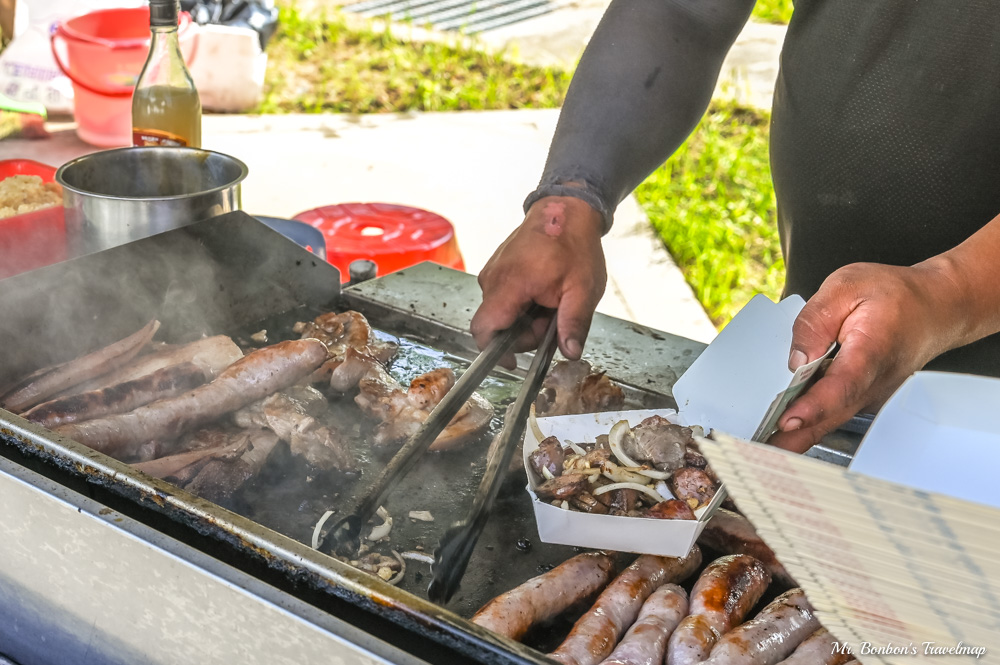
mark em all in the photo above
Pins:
pixel 59 378
pixel 818 649
pixel 732 533
pixel 597 632
pixel 771 636
pixel 161 384
pixel 251 378
pixel 646 641
pixel 544 597
pixel 726 590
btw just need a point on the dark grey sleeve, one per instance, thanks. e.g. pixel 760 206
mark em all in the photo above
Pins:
pixel 642 85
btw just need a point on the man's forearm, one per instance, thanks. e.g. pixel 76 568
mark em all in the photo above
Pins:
pixel 968 278
pixel 643 83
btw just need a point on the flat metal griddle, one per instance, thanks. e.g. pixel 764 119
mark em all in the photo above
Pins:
pixel 233 274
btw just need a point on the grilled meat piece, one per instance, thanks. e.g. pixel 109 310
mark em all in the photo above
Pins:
pixel 54 380
pixel 621 501
pixel 544 597
pixel 562 487
pixel 597 632
pixel 182 467
pixel 658 441
pixel 671 509
pixel 690 483
pixel 588 503
pixel 220 478
pixel 248 380
pixel 340 332
pixel 403 412
pixel 290 415
pixel 694 458
pixel 161 384
pixel 549 455
pixel 571 386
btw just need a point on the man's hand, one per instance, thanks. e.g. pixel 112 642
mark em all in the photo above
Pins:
pixel 890 321
pixel 553 259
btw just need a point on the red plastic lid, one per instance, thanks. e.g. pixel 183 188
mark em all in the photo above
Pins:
pixel 393 236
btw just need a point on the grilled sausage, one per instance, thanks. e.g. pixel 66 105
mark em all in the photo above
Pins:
pixel 732 533
pixel 691 483
pixel 212 354
pixel 562 487
pixel 726 590
pixel 671 509
pixel 818 649
pixel 544 597
pixel 81 369
pixel 251 378
pixel 771 636
pixel 161 384
pixel 646 641
pixel 597 632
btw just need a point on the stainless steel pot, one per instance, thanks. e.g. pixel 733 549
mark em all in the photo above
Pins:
pixel 117 196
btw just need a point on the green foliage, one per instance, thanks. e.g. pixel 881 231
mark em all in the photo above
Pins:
pixel 713 204
pixel 326 63
pixel 773 11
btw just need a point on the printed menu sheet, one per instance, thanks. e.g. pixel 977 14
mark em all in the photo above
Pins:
pixel 898 575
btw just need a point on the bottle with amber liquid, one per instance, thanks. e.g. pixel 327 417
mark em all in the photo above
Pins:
pixel 166 110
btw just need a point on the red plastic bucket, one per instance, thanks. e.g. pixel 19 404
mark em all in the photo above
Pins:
pixel 102 53
pixel 393 236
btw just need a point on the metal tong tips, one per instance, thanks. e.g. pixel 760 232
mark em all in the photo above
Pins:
pixel 452 555
pixel 345 536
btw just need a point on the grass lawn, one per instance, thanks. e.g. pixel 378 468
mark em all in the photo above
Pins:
pixel 712 202
pixel 329 63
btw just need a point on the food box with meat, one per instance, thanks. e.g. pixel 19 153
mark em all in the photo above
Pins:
pixel 643 486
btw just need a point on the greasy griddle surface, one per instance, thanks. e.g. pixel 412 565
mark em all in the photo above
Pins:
pixel 289 497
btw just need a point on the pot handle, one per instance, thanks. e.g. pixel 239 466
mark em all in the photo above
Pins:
pixel 58 34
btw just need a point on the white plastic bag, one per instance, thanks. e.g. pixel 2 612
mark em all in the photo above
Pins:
pixel 28 72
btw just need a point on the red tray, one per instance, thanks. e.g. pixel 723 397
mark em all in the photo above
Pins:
pixel 34 239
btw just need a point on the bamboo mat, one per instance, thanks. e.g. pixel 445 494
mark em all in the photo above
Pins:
pixel 887 567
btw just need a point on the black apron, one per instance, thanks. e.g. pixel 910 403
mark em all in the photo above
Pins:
pixel 885 138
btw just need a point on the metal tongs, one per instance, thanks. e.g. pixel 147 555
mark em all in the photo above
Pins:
pixel 452 555
pixel 345 536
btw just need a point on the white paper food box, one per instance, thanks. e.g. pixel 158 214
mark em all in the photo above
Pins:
pixel 729 387
pixel 939 432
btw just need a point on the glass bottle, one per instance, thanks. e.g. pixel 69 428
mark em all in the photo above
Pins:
pixel 166 110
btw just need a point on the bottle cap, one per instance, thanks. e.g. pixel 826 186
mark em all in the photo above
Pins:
pixel 361 270
pixel 163 12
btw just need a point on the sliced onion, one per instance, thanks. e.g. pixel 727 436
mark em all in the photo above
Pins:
pixel 546 473
pixel 383 529
pixel 575 447
pixel 319 527
pixel 564 505
pixel 533 424
pixel 655 474
pixel 664 491
pixel 616 440
pixel 402 569
pixel 645 489
pixel 619 475
pixel 421 515
pixel 422 557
